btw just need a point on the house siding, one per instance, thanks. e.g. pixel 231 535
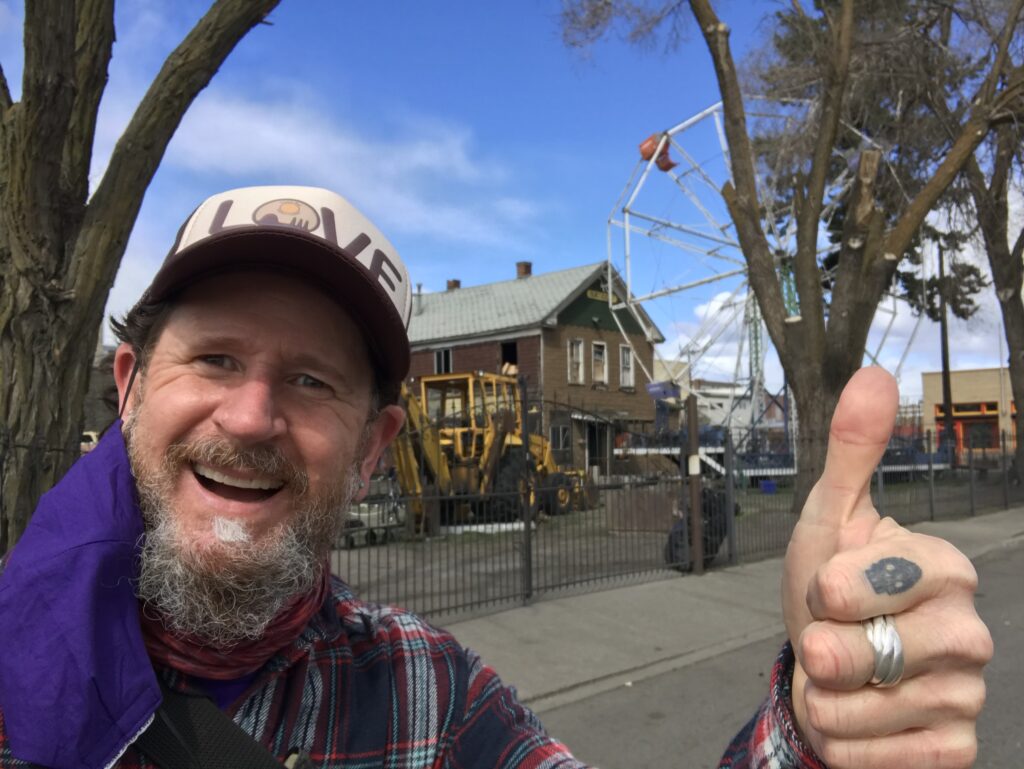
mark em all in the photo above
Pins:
pixel 609 401
pixel 483 356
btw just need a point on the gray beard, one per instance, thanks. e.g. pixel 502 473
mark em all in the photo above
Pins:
pixel 231 592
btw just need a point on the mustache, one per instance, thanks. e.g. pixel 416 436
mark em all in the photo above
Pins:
pixel 263 459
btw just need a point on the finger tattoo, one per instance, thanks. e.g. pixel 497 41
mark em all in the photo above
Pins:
pixel 893 575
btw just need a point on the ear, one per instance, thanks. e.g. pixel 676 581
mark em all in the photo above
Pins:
pixel 384 429
pixel 124 363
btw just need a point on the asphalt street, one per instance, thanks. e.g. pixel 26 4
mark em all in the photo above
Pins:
pixel 685 717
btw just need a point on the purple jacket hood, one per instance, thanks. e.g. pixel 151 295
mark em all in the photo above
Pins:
pixel 76 684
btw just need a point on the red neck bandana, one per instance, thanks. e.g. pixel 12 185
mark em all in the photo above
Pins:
pixel 195 657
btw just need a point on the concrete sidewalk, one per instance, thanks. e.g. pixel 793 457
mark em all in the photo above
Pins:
pixel 566 649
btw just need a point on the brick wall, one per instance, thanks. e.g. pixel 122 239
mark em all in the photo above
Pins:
pixel 607 400
pixel 610 399
pixel 483 356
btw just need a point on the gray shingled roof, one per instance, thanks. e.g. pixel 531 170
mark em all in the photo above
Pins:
pixel 495 307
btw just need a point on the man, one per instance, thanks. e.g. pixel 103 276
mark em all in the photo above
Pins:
pixel 183 560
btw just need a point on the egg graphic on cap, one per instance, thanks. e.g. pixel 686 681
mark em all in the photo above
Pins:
pixel 290 212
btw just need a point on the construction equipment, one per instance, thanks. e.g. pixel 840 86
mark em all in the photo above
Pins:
pixel 465 455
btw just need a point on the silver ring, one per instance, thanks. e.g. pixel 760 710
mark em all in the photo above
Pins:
pixel 884 639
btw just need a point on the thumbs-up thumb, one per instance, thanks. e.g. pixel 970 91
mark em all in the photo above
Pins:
pixel 839 514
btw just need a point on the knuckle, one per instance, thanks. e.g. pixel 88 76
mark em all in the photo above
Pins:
pixel 963 575
pixel 835 753
pixel 975 701
pixel 957 568
pixel 822 713
pixel 836 591
pixel 982 644
pixel 887 527
pixel 967 641
pixel 954 746
pixel 988 650
pixel 822 655
pixel 959 698
pixel 958 750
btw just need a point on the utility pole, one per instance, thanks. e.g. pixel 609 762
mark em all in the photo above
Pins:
pixel 948 440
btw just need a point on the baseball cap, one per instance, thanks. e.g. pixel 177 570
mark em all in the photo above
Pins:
pixel 310 231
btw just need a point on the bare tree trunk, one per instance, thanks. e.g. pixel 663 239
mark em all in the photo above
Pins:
pixel 1005 260
pixel 814 413
pixel 820 356
pixel 59 248
pixel 49 359
pixel 1013 327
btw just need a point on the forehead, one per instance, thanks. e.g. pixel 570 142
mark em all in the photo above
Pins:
pixel 265 309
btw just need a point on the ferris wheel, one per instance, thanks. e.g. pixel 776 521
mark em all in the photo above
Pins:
pixel 670 238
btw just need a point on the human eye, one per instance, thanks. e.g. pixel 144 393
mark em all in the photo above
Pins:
pixel 216 360
pixel 311 382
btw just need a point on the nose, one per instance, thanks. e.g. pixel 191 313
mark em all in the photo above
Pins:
pixel 248 413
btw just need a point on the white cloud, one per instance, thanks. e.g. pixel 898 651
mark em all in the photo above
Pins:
pixel 973 344
pixel 434 183
pixel 425 179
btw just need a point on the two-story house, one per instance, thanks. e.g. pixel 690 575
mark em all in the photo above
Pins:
pixel 585 379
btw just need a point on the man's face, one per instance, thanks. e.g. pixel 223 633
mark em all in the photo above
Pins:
pixel 251 419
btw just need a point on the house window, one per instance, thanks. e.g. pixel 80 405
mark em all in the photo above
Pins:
pixel 509 353
pixel 559 437
pixel 599 361
pixel 575 361
pixel 625 366
pixel 443 361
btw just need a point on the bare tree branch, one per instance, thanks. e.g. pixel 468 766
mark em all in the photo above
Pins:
pixel 859 281
pixel 94 40
pixel 973 133
pixel 870 68
pixel 1017 254
pixel 113 207
pixel 59 254
pixel 46 96
pixel 808 282
pixel 741 196
pixel 1002 165
pixel 5 93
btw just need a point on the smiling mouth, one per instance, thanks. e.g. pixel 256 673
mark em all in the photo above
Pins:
pixel 256 489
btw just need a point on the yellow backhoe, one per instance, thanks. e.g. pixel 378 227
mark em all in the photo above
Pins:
pixel 464 452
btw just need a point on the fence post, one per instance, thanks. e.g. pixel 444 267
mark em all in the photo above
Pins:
pixel 931 476
pixel 730 497
pixel 1006 471
pixel 693 473
pixel 529 503
pixel 970 467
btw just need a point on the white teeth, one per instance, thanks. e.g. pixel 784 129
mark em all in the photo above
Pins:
pixel 238 483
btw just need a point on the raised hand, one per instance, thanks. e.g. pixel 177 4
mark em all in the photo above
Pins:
pixel 844 566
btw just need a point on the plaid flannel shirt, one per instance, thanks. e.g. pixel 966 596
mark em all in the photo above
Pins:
pixel 770 739
pixel 372 686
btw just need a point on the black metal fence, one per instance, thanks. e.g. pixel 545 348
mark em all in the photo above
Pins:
pixel 629 525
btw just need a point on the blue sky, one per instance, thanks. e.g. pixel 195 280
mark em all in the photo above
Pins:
pixel 466 130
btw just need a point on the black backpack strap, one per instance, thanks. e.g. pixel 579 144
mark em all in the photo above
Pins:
pixel 191 732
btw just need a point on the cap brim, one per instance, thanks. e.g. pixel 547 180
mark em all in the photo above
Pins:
pixel 331 268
